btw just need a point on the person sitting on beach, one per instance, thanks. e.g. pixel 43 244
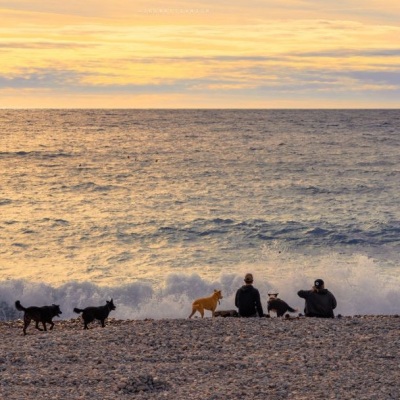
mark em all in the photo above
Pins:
pixel 320 302
pixel 247 299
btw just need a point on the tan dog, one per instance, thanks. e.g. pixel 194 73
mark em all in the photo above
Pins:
pixel 206 303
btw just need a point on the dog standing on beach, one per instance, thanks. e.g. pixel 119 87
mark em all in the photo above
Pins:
pixel 206 303
pixel 43 314
pixel 279 306
pixel 89 314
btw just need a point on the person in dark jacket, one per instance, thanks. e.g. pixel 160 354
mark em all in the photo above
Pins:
pixel 247 299
pixel 320 302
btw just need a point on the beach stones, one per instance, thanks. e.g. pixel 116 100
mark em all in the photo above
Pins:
pixel 210 358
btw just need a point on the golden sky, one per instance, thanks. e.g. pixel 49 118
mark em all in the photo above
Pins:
pixel 200 54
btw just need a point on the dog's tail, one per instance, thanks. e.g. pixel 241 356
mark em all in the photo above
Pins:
pixel 18 306
pixel 290 309
pixel 78 310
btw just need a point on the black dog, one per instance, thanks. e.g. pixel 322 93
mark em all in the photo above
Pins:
pixel 278 305
pixel 43 314
pixel 89 314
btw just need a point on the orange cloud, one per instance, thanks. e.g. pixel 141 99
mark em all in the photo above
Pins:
pixel 99 50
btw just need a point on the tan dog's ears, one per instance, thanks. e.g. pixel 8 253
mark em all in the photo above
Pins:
pixel 215 290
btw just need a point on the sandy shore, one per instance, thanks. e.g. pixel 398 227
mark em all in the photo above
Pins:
pixel 221 358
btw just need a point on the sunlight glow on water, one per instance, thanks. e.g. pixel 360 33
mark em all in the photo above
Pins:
pixel 132 197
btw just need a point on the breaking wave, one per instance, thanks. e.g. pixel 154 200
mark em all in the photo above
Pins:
pixel 360 288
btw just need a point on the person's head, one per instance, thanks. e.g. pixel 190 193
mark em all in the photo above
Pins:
pixel 248 279
pixel 319 284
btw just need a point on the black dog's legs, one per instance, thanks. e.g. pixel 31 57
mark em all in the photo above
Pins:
pixel 37 326
pixel 27 321
pixel 102 323
pixel 51 325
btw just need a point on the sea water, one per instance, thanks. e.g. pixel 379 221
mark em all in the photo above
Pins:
pixel 154 208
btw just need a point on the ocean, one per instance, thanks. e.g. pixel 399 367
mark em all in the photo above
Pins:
pixel 155 208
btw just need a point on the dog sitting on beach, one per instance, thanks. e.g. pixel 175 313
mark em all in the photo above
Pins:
pixel 43 314
pixel 226 313
pixel 89 314
pixel 278 306
pixel 206 303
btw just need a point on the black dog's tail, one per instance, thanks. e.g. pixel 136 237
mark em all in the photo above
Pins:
pixel 18 306
pixel 78 310
pixel 290 309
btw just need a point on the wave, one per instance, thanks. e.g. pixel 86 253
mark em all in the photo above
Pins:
pixel 296 232
pixel 34 154
pixel 5 202
pixel 92 187
pixel 360 288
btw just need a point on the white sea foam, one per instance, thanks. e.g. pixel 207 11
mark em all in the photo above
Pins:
pixel 360 288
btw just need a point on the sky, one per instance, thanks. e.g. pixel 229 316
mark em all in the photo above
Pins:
pixel 200 54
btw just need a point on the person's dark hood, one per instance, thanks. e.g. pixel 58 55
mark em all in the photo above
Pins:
pixel 246 288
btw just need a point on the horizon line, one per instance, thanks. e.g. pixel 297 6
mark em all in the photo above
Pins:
pixel 199 108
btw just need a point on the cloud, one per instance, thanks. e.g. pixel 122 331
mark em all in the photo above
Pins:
pixel 211 11
pixel 41 78
pixel 247 81
pixel 378 78
pixel 38 45
pixel 259 48
pixel 346 53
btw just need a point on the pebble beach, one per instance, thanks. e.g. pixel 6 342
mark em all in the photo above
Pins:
pixel 222 358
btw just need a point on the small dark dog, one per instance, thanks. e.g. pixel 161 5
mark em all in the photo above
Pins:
pixel 278 305
pixel 89 314
pixel 226 313
pixel 43 314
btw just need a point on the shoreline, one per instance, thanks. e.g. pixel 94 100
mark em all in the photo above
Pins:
pixel 221 358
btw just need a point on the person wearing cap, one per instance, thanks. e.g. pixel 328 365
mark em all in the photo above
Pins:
pixel 247 299
pixel 320 302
